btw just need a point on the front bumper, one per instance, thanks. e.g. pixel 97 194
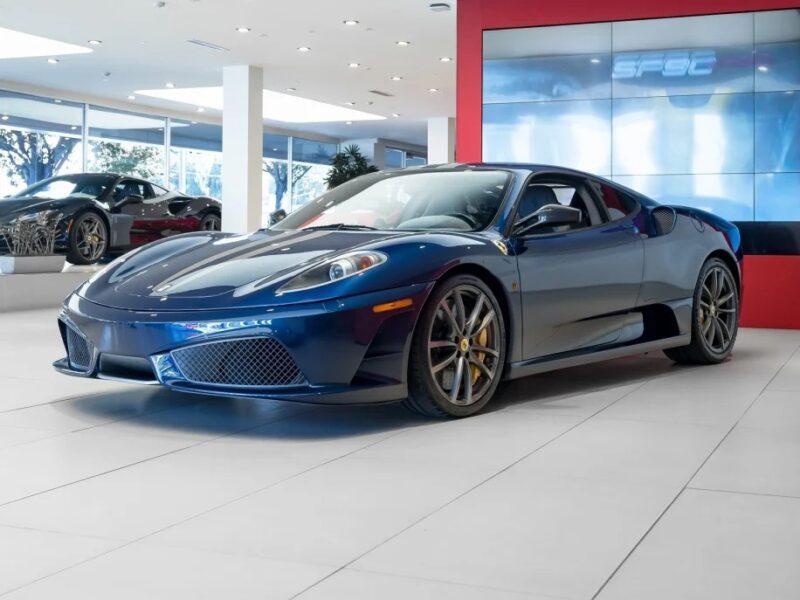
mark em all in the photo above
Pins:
pixel 346 352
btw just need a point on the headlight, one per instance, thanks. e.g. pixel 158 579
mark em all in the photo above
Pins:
pixel 335 269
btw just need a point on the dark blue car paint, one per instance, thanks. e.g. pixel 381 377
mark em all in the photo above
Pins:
pixel 567 298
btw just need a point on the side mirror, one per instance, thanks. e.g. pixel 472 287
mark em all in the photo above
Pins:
pixel 132 199
pixel 277 216
pixel 550 214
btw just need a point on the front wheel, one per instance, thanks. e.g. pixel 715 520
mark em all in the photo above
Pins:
pixel 458 350
pixel 715 317
pixel 88 239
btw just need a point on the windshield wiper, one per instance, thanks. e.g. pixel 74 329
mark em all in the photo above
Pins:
pixel 341 227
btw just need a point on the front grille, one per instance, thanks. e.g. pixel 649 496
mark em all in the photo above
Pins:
pixel 248 362
pixel 664 217
pixel 79 351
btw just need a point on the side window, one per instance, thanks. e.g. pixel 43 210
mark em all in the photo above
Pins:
pixel 158 191
pixel 616 203
pixel 128 187
pixel 573 193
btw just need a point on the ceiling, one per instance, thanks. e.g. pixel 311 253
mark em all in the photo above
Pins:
pixel 145 45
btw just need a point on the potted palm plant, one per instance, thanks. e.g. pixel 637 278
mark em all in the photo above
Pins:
pixel 346 165
pixel 30 244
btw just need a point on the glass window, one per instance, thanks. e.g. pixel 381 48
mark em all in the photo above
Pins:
pixel 39 138
pixel 618 204
pixel 573 134
pixel 311 151
pixel 464 200
pixel 702 111
pixel 569 62
pixel 777 197
pixel 415 160
pixel 195 164
pixel 683 134
pixel 275 146
pixel 777 56
pixel 69 186
pixel 126 143
pixel 393 158
pixel 129 187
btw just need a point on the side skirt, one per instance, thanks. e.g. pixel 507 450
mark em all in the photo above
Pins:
pixel 541 365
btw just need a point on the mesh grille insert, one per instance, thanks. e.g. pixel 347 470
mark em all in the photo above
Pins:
pixel 79 351
pixel 249 362
pixel 665 219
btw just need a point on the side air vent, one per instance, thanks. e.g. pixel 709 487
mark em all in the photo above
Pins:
pixel 79 351
pixel 664 218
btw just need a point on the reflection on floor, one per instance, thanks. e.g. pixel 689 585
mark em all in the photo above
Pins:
pixel 628 479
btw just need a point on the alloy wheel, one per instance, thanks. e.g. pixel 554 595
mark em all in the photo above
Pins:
pixel 211 223
pixel 91 240
pixel 464 345
pixel 717 309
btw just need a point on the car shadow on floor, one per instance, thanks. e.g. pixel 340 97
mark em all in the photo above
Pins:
pixel 162 409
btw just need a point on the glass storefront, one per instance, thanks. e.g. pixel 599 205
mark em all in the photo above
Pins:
pixel 42 137
pixel 703 111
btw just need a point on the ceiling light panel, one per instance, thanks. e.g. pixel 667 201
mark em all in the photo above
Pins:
pixel 16 44
pixel 288 108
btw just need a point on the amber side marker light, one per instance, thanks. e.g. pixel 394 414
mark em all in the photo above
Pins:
pixel 387 306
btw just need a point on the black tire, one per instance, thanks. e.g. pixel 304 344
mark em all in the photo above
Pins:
pixel 88 239
pixel 715 317
pixel 471 335
pixel 211 222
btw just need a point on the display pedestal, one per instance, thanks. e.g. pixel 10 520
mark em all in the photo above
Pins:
pixel 40 290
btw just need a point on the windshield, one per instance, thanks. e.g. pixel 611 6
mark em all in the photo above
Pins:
pixel 68 186
pixel 440 200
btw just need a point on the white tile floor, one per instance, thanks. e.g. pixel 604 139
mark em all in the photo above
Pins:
pixel 626 479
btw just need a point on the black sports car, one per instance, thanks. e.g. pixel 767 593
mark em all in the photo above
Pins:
pixel 429 285
pixel 97 213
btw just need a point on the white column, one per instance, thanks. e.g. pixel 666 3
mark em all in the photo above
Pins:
pixel 242 131
pixel 441 140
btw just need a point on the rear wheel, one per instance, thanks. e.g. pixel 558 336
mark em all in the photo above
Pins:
pixel 715 317
pixel 211 222
pixel 88 239
pixel 458 350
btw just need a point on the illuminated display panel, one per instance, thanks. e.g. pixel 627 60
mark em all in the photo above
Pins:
pixel 701 111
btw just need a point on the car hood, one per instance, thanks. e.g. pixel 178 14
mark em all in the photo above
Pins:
pixel 208 271
pixel 11 208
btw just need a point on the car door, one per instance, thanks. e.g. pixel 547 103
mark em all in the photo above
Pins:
pixel 139 233
pixel 578 281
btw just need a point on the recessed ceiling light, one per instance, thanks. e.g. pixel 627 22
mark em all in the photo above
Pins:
pixel 403 43
pixel 595 61
pixel 348 122
pixel 277 106
pixel 57 101
pixel 274 149
pixel 131 97
pixel 15 44
pixel 303 49
pixel 4 118
pixel 433 90
pixel 74 127
pixel 763 68
pixel 396 115
pixel 95 42
pixel 354 65
pixel 243 29
pixel 169 85
pixel 351 22
pixel 52 61
pixel 445 59
pixel 396 78
pixel 201 109
pixel 291 89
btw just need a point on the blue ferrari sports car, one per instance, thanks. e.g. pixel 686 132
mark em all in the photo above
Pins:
pixel 427 285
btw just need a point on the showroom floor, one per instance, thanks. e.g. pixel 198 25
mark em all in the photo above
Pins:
pixel 632 478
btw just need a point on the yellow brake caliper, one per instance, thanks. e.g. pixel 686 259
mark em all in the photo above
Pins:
pixel 482 339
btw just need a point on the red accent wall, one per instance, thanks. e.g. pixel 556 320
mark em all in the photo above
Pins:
pixel 771 283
